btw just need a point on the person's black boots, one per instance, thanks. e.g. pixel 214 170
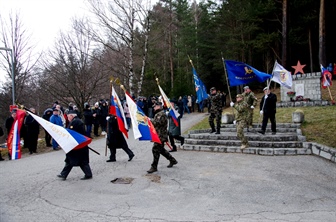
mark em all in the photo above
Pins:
pixel 212 128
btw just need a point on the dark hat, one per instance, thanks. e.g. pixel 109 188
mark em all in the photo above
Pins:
pixel 173 101
pixel 157 103
pixel 239 96
pixel 246 87
pixel 213 88
pixel 55 109
pixel 13 110
pixel 72 112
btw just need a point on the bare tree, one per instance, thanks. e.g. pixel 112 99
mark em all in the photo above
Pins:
pixel 14 36
pixel 117 24
pixel 322 50
pixel 71 71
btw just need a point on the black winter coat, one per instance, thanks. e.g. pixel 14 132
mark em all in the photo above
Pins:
pixel 79 156
pixel 115 138
pixel 270 103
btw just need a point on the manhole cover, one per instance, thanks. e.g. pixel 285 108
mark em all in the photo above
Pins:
pixel 123 180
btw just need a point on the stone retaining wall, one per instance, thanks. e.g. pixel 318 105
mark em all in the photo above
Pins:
pixel 312 86
pixel 322 151
pixel 304 103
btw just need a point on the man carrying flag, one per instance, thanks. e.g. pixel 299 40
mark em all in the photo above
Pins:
pixel 160 122
pixel 117 110
pixel 76 157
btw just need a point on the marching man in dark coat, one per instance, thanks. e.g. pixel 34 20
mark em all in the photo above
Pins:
pixel 78 157
pixel 115 139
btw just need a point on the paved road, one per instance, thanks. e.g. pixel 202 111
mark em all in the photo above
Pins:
pixel 203 186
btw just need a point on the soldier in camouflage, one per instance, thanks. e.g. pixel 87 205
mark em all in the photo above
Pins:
pixel 251 100
pixel 160 122
pixel 242 112
pixel 215 110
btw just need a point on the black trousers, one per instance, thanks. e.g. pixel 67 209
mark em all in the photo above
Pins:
pixel 172 141
pixel 157 150
pixel 271 117
pixel 85 168
pixel 124 146
pixel 47 138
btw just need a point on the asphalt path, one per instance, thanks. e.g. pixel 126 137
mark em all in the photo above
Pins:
pixel 203 186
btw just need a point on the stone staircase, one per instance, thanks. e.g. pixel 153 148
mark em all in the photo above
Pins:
pixel 287 141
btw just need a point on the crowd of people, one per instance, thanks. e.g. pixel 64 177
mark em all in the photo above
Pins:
pixel 103 122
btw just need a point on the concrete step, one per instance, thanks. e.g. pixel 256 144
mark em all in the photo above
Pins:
pixel 250 136
pixel 268 151
pixel 254 130
pixel 236 142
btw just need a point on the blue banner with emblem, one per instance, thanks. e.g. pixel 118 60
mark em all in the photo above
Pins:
pixel 240 73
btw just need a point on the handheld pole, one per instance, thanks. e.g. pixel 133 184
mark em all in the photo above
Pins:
pixel 227 82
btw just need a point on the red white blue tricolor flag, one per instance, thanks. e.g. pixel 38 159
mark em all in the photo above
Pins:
pixel 13 140
pixel 117 110
pixel 66 138
pixel 172 111
pixel 143 129
pixel 326 77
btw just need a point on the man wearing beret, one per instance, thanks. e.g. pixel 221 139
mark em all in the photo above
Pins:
pixel 160 122
pixel 77 157
pixel 251 100
pixel 215 110
pixel 268 110
pixel 242 112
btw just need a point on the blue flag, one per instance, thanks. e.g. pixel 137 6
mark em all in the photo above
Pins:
pixel 240 73
pixel 201 91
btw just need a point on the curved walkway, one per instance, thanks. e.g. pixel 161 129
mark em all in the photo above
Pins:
pixel 203 186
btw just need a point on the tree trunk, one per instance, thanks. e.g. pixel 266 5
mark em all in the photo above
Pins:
pixel 284 33
pixel 322 55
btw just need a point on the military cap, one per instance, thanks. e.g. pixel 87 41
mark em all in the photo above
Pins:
pixel 246 87
pixel 239 96
pixel 213 88
pixel 173 101
pixel 157 103
pixel 266 88
pixel 72 112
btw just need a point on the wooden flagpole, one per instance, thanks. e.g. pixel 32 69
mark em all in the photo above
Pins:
pixel 227 82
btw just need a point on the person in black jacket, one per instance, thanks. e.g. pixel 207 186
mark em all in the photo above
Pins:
pixel 46 115
pixel 268 110
pixel 76 157
pixel 88 119
pixel 32 128
pixel 96 118
pixel 115 139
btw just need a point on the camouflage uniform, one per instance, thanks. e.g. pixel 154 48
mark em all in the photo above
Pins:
pixel 160 123
pixel 251 100
pixel 242 113
pixel 215 112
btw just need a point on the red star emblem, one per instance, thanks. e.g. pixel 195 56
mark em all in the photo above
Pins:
pixel 298 68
